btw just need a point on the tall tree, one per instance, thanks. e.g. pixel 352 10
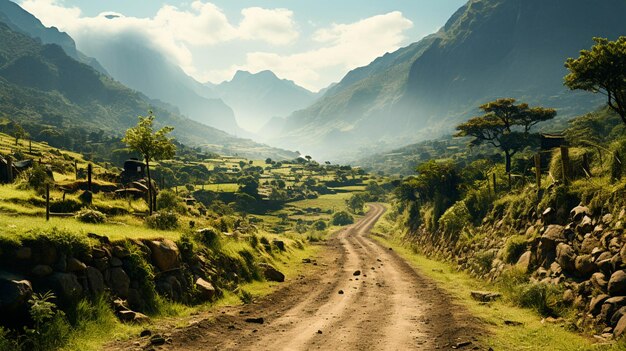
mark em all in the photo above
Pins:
pixel 151 145
pixel 505 125
pixel 601 70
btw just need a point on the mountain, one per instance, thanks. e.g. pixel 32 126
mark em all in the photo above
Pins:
pixel 21 20
pixel 257 98
pixel 41 84
pixel 135 64
pixel 488 49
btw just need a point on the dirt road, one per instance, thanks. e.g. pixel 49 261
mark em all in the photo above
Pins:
pixel 387 306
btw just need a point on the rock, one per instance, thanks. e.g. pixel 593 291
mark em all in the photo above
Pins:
pixel 523 263
pixel 319 332
pixel 599 281
pixel 41 270
pixel 614 245
pixel 485 296
pixel 120 252
pixel 306 260
pixel 596 304
pixel 145 333
pixel 554 234
pixel 279 244
pixel 548 216
pixel 340 292
pixel 95 280
pixel 164 254
pixel 617 315
pixel 610 307
pixel 205 289
pixel 258 320
pixel 585 265
pixel 607 218
pixel 120 282
pixel 23 253
pixel 579 212
pixel 589 244
pixel 67 286
pixel 617 284
pixel 271 274
pixel 620 327
pixel 86 197
pixel 566 257
pixel 622 253
pixel 569 296
pixel 356 273
pixel 74 265
pixel 585 226
pixel 157 340
pixel 48 255
pixel 14 295
pixel 116 262
pixel 99 252
pixel 129 316
pixel 101 263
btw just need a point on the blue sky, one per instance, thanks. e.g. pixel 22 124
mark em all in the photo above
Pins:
pixel 311 42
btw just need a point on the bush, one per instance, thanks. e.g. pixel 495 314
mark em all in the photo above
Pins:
pixel 36 178
pixel 342 218
pixel 455 219
pixel 319 225
pixel 514 248
pixel 167 200
pixel 87 215
pixel 210 237
pixel 163 220
pixel 51 329
pixel 65 206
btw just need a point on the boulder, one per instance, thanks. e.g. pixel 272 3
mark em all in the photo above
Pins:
pixel 14 295
pixel 128 316
pixel 554 234
pixel 120 282
pixel 620 328
pixel 24 253
pixel 41 270
pixel 548 216
pixel 617 284
pixel 205 289
pixel 617 315
pixel 595 305
pixel 566 257
pixel 589 244
pixel 67 287
pixel 120 252
pixel 484 296
pixel 74 265
pixel 523 263
pixel 579 212
pixel 271 274
pixel 48 255
pixel 95 280
pixel 165 254
pixel 585 226
pixel 599 281
pixel 585 265
pixel 610 307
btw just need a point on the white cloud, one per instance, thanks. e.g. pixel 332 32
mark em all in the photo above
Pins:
pixel 344 46
pixel 179 32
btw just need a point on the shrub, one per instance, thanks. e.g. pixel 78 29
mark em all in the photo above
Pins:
pixel 342 218
pixel 36 178
pixel 6 342
pixel 167 200
pixel 65 206
pixel 576 170
pixel 163 220
pixel 210 237
pixel 514 248
pixel 319 225
pixel 51 329
pixel 87 215
pixel 455 219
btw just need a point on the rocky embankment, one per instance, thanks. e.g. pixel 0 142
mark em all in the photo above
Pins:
pixel 585 258
pixel 129 273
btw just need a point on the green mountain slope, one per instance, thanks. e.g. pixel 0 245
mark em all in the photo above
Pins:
pixel 42 84
pixel 488 49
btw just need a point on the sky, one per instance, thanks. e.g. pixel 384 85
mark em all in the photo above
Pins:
pixel 312 42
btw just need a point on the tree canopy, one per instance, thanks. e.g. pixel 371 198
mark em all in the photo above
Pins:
pixel 601 70
pixel 504 125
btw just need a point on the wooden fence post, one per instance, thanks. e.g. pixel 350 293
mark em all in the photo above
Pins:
pixel 538 170
pixel 47 202
pixel 586 164
pixel 565 164
pixel 495 184
pixel 89 170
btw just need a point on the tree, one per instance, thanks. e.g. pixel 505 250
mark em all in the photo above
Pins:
pixel 18 133
pixel 504 125
pixel 151 145
pixel 601 70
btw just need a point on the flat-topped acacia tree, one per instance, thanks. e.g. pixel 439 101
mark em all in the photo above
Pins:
pixel 504 125
pixel 601 70
pixel 151 145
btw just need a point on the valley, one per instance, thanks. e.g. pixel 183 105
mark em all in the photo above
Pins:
pixel 209 175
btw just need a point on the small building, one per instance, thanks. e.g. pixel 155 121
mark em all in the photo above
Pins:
pixel 552 141
pixel 134 170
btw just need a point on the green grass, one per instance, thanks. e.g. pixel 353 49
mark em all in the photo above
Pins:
pixel 224 188
pixel 333 202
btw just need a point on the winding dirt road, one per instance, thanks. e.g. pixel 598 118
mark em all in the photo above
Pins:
pixel 388 306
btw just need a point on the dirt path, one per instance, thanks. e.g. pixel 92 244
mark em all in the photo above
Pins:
pixel 388 306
